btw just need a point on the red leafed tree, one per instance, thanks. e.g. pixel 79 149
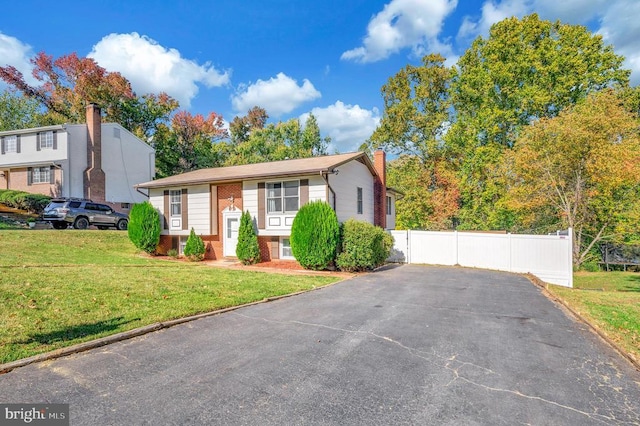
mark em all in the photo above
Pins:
pixel 69 83
pixel 189 143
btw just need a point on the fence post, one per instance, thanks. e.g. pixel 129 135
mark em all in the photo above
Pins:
pixel 570 257
pixel 455 234
pixel 510 254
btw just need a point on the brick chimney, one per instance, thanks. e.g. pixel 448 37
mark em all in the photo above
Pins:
pixel 380 189
pixel 94 178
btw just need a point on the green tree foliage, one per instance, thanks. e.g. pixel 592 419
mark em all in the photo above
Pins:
pixel 247 249
pixel 364 247
pixel 580 169
pixel 188 144
pixel 254 142
pixel 315 235
pixel 430 193
pixel 33 203
pixel 144 227
pixel 19 112
pixel 526 69
pixel 194 249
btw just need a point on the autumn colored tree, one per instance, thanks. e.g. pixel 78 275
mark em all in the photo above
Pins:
pixel 241 127
pixel 430 193
pixel 69 83
pixel 526 69
pixel 189 143
pixel 416 117
pixel 580 169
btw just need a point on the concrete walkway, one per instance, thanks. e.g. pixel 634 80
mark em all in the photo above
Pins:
pixel 408 345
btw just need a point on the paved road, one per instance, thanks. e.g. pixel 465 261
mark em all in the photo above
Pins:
pixel 409 345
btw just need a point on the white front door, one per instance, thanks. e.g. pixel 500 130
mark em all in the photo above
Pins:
pixel 231 226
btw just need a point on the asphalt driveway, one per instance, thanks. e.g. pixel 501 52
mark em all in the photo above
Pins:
pixel 409 345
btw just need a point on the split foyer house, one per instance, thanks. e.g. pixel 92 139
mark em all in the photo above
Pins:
pixel 211 201
pixel 100 161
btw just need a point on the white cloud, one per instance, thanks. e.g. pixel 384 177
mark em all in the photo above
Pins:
pixel 347 125
pixel 621 28
pixel 401 24
pixel 491 13
pixel 17 54
pixel 152 68
pixel 278 95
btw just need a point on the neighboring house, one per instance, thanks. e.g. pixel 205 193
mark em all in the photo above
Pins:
pixel 211 200
pixel 100 161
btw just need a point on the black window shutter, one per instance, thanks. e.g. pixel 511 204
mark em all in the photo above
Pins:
pixel 55 140
pixel 38 141
pixel 185 209
pixel 18 144
pixel 52 175
pixel 2 146
pixel 29 175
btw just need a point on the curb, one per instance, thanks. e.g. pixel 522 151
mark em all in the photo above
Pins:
pixel 544 287
pixel 126 335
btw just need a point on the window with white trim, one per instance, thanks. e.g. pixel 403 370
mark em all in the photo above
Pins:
pixel 283 197
pixel 285 247
pixel 46 140
pixel 359 201
pixel 41 175
pixel 175 202
pixel 11 143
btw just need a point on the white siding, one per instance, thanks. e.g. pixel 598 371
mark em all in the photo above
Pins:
pixel 317 189
pixel 156 198
pixel 351 176
pixel 199 209
pixel 391 218
pixel 126 161
pixel 74 178
pixel 250 197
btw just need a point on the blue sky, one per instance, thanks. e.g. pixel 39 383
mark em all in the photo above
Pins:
pixel 290 57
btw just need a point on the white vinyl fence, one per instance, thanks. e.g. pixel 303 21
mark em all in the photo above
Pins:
pixel 546 256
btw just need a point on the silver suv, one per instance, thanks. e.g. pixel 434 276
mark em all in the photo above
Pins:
pixel 80 213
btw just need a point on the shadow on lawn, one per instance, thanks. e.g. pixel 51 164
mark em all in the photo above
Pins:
pixel 78 331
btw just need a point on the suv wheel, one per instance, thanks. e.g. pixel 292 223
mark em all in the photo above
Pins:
pixel 81 223
pixel 59 225
pixel 122 225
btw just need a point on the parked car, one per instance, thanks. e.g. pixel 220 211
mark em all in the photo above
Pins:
pixel 81 213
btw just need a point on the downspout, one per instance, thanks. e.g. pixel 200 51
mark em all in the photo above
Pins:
pixel 325 177
pixel 140 192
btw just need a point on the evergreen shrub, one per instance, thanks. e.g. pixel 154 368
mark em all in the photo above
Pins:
pixel 194 249
pixel 247 249
pixel 33 203
pixel 144 227
pixel 364 246
pixel 315 235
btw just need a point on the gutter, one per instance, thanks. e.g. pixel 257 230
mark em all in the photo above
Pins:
pixel 325 176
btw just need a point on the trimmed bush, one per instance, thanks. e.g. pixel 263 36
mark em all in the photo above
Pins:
pixel 33 203
pixel 194 249
pixel 144 227
pixel 247 250
pixel 315 235
pixel 364 246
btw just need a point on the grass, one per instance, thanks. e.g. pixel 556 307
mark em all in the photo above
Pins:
pixel 59 288
pixel 611 302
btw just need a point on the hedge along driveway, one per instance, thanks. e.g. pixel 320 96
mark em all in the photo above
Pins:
pixel 59 288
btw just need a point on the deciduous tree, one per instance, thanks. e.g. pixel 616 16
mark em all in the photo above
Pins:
pixel 580 169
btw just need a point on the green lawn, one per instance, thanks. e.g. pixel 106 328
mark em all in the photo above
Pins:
pixel 59 288
pixel 611 302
